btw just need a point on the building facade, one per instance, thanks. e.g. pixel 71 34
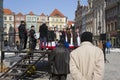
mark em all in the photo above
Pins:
pixel 31 19
pixel 113 21
pixel 99 18
pixel 57 19
pixel 78 16
pixel 18 18
pixel 84 11
pixel 1 18
pixel 8 18
pixel 90 17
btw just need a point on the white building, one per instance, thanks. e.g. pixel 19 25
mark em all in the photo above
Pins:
pixel 31 19
pixel 99 17
pixel 8 19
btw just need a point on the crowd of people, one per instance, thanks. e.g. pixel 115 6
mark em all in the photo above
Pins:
pixel 85 62
pixel 47 35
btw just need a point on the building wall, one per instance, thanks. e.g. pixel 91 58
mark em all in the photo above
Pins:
pixel 112 21
pixel 99 17
pixel 31 20
pixel 18 19
pixel 59 22
pixel 78 16
pixel 84 11
pixel 8 22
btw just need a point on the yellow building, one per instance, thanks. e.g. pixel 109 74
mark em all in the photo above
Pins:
pixel 57 19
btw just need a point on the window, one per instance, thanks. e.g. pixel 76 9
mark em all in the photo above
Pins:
pixel 10 18
pixel 10 25
pixel 37 18
pixel 56 20
pixel 43 20
pixel 108 28
pixel 112 26
pixel 5 25
pixel 33 19
pixel 5 18
pixel 53 20
pixel 28 19
pixel 60 20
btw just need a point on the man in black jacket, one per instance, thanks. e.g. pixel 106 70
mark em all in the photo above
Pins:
pixel 43 34
pixel 23 35
pixel 59 60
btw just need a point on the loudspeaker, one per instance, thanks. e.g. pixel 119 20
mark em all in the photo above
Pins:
pixel 102 36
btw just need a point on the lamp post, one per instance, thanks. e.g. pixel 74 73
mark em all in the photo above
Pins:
pixel 118 24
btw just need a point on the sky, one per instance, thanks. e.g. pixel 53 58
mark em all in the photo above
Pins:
pixel 67 7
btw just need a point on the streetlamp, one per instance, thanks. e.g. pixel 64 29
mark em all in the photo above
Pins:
pixel 118 24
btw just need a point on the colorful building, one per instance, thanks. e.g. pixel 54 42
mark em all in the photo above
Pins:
pixel 58 20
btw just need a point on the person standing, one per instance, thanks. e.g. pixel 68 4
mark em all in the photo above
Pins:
pixel 76 38
pixel 33 39
pixel 23 35
pixel 43 30
pixel 108 45
pixel 59 60
pixel 102 46
pixel 87 61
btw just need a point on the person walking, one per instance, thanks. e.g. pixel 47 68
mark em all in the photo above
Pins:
pixel 43 30
pixel 59 60
pixel 102 46
pixel 87 61
pixel 23 35
pixel 108 46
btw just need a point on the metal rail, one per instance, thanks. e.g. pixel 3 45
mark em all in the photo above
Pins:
pixel 23 65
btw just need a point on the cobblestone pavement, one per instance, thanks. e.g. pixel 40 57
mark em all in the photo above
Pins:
pixel 112 69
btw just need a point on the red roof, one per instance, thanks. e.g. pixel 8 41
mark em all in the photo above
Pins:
pixel 70 22
pixel 31 13
pixel 56 12
pixel 7 11
pixel 42 14
pixel 19 14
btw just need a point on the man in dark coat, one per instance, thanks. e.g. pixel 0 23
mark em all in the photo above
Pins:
pixel 51 36
pixel 43 34
pixel 32 38
pixel 23 35
pixel 59 60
